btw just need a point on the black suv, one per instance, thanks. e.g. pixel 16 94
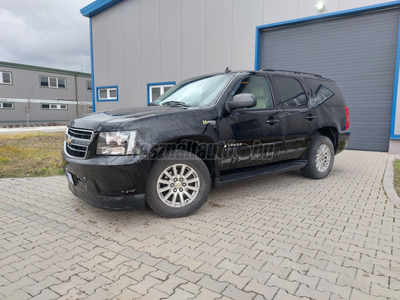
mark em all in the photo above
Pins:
pixel 206 131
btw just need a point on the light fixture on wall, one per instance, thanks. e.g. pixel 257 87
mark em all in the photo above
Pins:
pixel 320 6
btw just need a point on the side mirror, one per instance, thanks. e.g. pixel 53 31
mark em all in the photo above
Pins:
pixel 241 101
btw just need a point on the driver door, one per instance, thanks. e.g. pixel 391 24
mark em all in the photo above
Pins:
pixel 252 136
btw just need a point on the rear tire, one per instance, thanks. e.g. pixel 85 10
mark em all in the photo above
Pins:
pixel 320 158
pixel 178 184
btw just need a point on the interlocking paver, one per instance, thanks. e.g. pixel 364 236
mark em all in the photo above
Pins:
pixel 281 237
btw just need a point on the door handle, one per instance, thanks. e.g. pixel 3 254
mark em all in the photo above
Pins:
pixel 311 117
pixel 272 121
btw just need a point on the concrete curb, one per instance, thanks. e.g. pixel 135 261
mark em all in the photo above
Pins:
pixel 32 129
pixel 388 181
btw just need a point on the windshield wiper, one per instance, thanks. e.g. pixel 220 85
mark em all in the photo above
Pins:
pixel 153 104
pixel 175 103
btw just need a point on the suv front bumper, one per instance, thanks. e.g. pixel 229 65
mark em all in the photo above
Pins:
pixel 109 182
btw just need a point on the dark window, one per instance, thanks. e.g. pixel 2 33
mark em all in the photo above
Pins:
pixel 7 77
pixel 290 92
pixel 44 81
pixel 6 105
pixel 155 92
pixel 89 85
pixel 113 93
pixel 45 106
pixel 323 93
pixel 53 82
pixel 61 83
pixel 259 88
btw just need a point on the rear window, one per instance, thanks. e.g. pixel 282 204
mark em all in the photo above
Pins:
pixel 324 91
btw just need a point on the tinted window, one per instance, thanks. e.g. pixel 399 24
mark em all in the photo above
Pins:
pixel 323 90
pixel 259 88
pixel 323 93
pixel 6 77
pixel 290 92
pixel 61 83
pixel 44 81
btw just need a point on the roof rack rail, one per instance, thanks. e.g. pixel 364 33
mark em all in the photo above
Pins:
pixel 295 72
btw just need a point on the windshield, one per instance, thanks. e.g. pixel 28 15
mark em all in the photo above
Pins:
pixel 194 93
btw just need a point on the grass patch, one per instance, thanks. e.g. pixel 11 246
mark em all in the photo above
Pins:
pixel 396 180
pixel 32 154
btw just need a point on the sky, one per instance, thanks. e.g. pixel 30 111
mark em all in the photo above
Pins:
pixel 45 33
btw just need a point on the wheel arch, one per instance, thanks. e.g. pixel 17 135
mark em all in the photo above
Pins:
pixel 330 132
pixel 202 146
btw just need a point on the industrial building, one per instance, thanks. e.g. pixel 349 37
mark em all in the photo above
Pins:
pixel 42 95
pixel 140 48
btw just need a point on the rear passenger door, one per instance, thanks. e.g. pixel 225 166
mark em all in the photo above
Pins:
pixel 299 116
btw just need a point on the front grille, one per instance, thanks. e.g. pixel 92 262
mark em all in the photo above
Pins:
pixel 77 142
pixel 76 150
pixel 80 133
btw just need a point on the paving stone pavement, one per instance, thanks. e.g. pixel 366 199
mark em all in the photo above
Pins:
pixel 280 237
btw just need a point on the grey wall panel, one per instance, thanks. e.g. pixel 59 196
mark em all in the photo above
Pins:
pixel 150 42
pixel 99 25
pixel 26 84
pixel 359 53
pixel 307 8
pixel 132 69
pixel 218 35
pixel 171 40
pixel 115 54
pixel 193 38
pixel 346 4
pixel 280 10
pixel 245 19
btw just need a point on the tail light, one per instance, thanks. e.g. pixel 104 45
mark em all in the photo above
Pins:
pixel 347 118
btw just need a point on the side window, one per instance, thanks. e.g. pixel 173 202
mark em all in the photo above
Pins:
pixel 259 88
pixel 323 93
pixel 322 90
pixel 290 92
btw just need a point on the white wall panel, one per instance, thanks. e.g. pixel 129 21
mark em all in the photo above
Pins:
pixel 193 38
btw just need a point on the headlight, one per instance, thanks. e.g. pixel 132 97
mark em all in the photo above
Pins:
pixel 116 143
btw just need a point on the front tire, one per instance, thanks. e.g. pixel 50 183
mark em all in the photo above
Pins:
pixel 320 158
pixel 178 184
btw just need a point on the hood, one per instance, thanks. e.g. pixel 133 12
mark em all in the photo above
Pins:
pixel 113 119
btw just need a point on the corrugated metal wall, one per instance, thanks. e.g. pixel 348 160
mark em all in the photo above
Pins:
pixel 359 53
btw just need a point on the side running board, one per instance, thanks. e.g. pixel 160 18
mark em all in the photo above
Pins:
pixel 270 170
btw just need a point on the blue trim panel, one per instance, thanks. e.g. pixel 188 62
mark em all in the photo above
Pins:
pixel 91 64
pixel 338 14
pixel 342 13
pixel 97 7
pixel 106 87
pixel 396 85
pixel 156 83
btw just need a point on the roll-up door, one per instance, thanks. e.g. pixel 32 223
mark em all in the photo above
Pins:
pixel 358 52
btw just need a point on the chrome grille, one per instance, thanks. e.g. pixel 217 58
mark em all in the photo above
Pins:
pixel 80 133
pixel 76 151
pixel 77 142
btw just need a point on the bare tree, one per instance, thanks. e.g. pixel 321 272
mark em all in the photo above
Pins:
pixel 28 107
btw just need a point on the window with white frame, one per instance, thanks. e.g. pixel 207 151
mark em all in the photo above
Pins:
pixel 7 105
pixel 89 85
pixel 53 82
pixel 107 93
pixel 53 106
pixel 5 77
pixel 156 90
